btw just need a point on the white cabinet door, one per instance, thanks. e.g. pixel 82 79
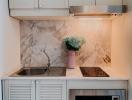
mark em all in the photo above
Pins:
pixel 109 2
pixel 19 90
pixel 51 90
pixel 81 2
pixel 23 4
pixel 53 3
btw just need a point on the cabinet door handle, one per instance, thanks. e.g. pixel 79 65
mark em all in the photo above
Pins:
pixel 115 97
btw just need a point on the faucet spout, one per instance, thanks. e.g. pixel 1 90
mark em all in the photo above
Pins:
pixel 48 64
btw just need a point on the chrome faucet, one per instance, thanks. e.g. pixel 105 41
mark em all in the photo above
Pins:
pixel 48 64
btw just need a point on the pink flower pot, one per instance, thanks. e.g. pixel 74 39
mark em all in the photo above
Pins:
pixel 71 63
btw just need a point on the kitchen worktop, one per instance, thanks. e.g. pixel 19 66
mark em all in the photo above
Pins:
pixel 76 74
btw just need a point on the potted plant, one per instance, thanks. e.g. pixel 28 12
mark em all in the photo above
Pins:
pixel 73 44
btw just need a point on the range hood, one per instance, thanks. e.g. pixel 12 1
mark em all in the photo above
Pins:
pixel 98 10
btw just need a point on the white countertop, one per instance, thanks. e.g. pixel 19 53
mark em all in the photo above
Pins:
pixel 114 75
pixel 76 74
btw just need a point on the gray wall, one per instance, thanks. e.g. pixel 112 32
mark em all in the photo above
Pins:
pixel 9 41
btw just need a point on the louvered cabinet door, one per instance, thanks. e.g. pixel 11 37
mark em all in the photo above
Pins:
pixel 51 90
pixel 19 90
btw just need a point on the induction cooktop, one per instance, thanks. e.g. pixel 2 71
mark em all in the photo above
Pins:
pixel 93 72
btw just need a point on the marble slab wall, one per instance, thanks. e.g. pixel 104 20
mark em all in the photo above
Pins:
pixel 40 37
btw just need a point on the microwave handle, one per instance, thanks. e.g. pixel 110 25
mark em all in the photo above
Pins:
pixel 115 98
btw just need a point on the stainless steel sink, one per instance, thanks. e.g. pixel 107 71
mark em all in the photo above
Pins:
pixel 31 71
pixel 41 71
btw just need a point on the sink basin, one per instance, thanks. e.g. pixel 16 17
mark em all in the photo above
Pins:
pixel 41 71
pixel 93 72
pixel 31 71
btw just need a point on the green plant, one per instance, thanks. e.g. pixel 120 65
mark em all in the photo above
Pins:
pixel 73 43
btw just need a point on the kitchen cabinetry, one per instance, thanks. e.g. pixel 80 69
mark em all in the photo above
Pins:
pixel 19 90
pixel 51 90
pixel 39 9
pixel 34 90
pixel 53 3
pixel 81 2
pixel 96 2
pixel 30 9
pixel 54 89
pixel 23 4
pixel 83 85
pixel 109 2
pixel 16 4
pixel 97 84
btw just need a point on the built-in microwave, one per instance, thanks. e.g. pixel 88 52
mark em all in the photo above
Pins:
pixel 76 94
pixel 97 97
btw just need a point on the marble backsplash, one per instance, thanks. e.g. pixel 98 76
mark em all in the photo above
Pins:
pixel 39 36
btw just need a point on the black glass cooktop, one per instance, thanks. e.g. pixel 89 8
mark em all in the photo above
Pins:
pixel 93 72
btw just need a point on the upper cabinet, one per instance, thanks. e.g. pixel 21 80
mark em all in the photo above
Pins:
pixel 96 2
pixel 38 4
pixel 53 3
pixel 39 9
pixel 109 2
pixel 81 2
pixel 30 9
pixel 16 4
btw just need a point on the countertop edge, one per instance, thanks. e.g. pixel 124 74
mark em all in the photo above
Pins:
pixel 69 78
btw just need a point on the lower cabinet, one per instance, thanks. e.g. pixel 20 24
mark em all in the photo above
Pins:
pixel 57 89
pixel 51 90
pixel 34 90
pixel 19 90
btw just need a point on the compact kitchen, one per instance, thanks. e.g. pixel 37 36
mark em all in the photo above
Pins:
pixel 65 50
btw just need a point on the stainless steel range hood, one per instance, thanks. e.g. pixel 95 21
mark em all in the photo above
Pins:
pixel 98 10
